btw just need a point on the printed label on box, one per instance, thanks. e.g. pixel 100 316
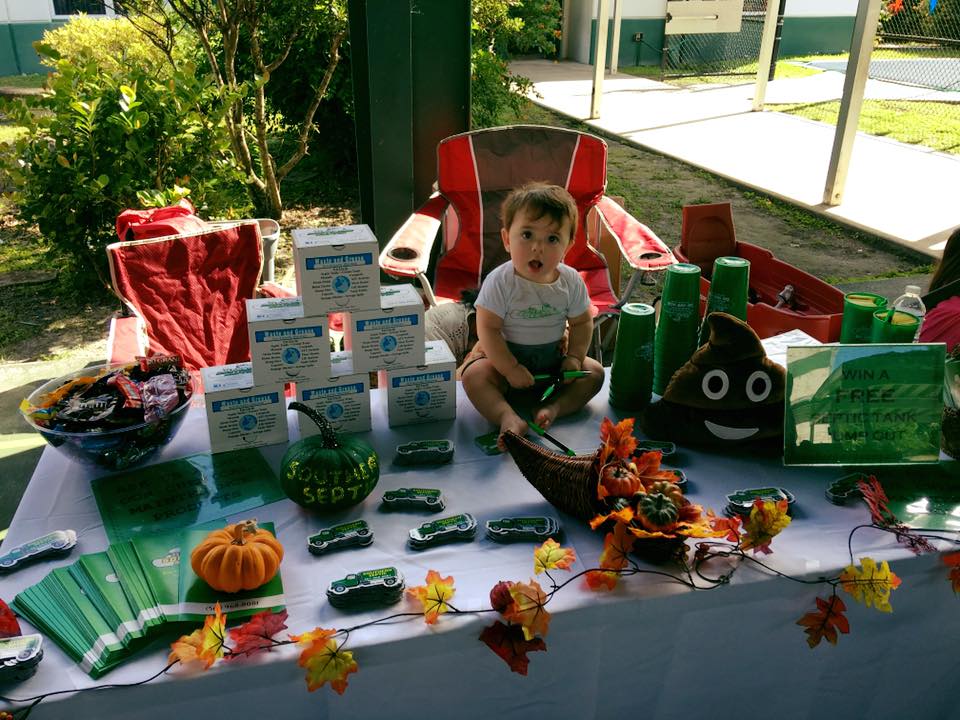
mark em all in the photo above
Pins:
pixel 337 269
pixel 345 403
pixel 391 337
pixel 251 418
pixel 290 350
pixel 425 393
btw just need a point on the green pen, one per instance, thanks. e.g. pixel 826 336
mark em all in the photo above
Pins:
pixel 547 436
pixel 566 375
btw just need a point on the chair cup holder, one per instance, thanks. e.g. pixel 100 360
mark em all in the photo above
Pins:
pixel 403 254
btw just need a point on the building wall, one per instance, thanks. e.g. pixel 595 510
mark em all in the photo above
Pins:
pixel 22 22
pixel 809 26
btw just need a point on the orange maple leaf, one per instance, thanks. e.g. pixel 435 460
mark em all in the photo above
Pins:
pixel 648 469
pixel 826 622
pixel 767 519
pixel 528 609
pixel 952 561
pixel 434 595
pixel 204 645
pixel 508 643
pixel 617 440
pixel 624 516
pixel 324 660
pixel 729 526
pixel 550 556
pixel 256 635
pixel 616 547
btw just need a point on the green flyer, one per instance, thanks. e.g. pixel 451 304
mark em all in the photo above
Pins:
pixel 194 490
pixel 863 404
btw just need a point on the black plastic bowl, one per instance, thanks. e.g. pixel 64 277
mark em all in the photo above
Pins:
pixel 111 449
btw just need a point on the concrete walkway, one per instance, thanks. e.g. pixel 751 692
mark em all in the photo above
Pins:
pixel 904 193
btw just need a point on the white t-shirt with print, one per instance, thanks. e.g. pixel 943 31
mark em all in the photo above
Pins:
pixel 533 313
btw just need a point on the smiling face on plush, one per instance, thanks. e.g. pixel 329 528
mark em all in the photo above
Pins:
pixel 729 392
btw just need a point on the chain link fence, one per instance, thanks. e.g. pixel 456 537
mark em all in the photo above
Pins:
pixel 716 54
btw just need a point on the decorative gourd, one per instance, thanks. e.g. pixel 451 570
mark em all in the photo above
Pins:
pixel 618 481
pixel 665 487
pixel 656 511
pixel 237 557
pixel 327 472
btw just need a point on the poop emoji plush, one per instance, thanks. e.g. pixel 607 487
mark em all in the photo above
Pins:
pixel 729 392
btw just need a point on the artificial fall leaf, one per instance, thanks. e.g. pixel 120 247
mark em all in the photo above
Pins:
pixel 870 585
pixel 528 609
pixel 952 561
pixel 617 440
pixel 622 516
pixel 204 645
pixel 729 526
pixel 648 469
pixel 326 661
pixel 508 642
pixel 256 634
pixel 434 595
pixel 616 547
pixel 691 523
pixel 826 622
pixel 551 556
pixel 317 635
pixel 876 499
pixel 9 627
pixel 602 579
pixel 767 520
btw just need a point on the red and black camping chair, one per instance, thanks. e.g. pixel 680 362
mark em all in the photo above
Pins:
pixel 476 171
pixel 184 282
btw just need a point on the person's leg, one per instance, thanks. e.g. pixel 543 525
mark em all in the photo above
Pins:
pixel 486 387
pixel 571 397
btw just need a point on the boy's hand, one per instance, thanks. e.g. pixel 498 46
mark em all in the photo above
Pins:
pixel 570 364
pixel 519 377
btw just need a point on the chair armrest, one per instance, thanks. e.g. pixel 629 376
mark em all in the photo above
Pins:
pixel 127 339
pixel 639 245
pixel 408 252
pixel 273 290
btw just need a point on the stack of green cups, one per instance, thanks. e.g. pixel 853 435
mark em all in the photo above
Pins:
pixel 676 337
pixel 893 326
pixel 631 375
pixel 728 291
pixel 858 310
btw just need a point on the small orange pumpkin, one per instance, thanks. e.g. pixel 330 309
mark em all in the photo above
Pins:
pixel 619 481
pixel 237 557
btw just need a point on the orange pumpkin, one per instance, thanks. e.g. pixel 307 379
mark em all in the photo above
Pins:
pixel 618 481
pixel 237 557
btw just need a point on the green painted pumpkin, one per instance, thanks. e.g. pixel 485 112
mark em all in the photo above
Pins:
pixel 656 511
pixel 327 472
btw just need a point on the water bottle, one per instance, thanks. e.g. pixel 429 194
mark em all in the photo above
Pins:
pixel 910 302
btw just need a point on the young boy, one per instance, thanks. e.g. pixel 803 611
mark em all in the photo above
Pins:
pixel 524 309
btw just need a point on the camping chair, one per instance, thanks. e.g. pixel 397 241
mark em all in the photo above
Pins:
pixel 476 171
pixel 187 294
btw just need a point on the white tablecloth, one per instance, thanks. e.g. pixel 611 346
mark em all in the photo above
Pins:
pixel 652 648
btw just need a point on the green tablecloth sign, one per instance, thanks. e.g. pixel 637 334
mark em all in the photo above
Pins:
pixel 177 494
pixel 863 404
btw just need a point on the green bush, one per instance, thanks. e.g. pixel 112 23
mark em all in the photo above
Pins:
pixel 99 142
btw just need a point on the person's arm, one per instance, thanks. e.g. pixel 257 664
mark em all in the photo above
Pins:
pixel 581 331
pixel 490 333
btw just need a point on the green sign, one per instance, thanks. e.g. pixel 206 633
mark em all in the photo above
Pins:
pixel 194 490
pixel 863 404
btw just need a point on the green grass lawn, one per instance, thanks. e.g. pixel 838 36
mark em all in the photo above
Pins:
pixel 32 80
pixel 737 75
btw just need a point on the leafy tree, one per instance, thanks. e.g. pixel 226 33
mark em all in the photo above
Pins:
pixel 244 43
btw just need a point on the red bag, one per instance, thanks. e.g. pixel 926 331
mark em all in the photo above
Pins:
pixel 176 219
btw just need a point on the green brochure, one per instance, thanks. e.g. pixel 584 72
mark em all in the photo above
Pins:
pixel 159 557
pixel 929 500
pixel 190 491
pixel 133 582
pixel 197 599
pixel 99 581
pixel 863 404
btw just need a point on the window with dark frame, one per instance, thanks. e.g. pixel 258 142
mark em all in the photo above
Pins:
pixel 72 7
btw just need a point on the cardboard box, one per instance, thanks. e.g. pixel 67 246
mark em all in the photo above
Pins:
pixel 285 345
pixel 424 393
pixel 239 413
pixel 390 336
pixel 337 269
pixel 343 398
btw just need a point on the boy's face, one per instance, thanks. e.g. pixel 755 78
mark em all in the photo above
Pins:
pixel 536 246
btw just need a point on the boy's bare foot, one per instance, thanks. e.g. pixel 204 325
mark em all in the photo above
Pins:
pixel 545 416
pixel 514 423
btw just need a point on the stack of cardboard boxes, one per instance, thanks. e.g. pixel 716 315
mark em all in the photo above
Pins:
pixel 337 272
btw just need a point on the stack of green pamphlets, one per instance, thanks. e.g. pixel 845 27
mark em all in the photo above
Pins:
pixel 100 607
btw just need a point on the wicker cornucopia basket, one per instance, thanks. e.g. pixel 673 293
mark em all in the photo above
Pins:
pixel 567 483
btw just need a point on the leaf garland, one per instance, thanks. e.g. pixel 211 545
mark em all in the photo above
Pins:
pixel 434 595
pixel 767 519
pixel 509 643
pixel 256 635
pixel 528 609
pixel 876 499
pixel 870 584
pixel 205 645
pixel 952 561
pixel 614 558
pixel 324 660
pixel 550 556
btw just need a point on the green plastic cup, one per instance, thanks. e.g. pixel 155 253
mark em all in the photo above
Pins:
pixel 631 375
pixel 728 290
pixel 893 326
pixel 858 310
pixel 677 329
